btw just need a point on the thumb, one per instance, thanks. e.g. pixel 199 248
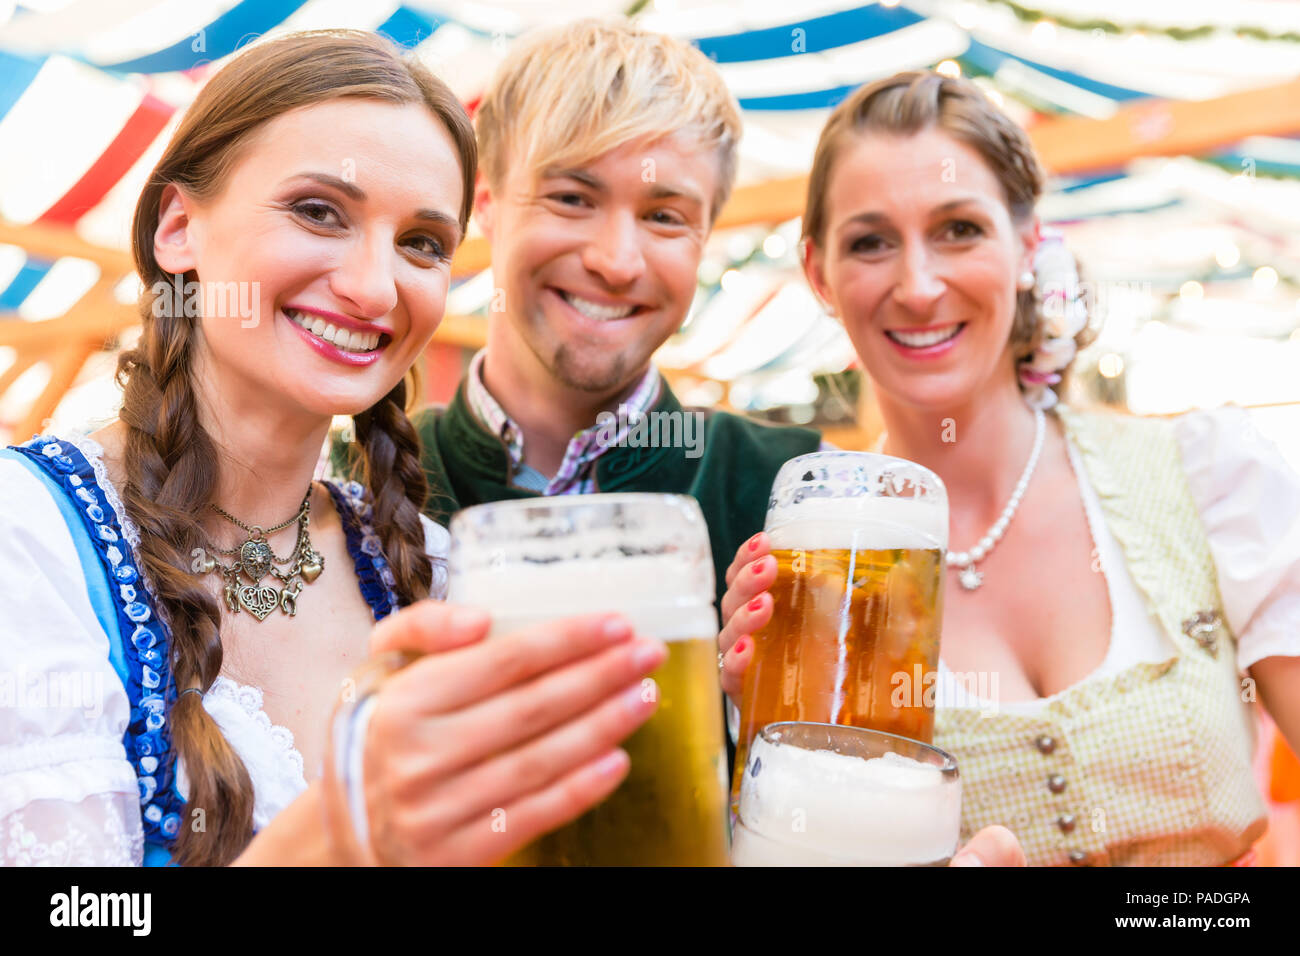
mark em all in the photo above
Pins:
pixel 428 627
pixel 992 846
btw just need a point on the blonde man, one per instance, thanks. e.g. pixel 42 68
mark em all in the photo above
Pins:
pixel 606 154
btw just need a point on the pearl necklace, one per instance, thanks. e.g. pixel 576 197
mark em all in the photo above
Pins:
pixel 970 578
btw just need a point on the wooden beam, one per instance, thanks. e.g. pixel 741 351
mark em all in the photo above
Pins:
pixel 466 331
pixel 67 366
pixel 472 256
pixel 73 338
pixel 97 324
pixel 24 360
pixel 55 242
pixel 1167 128
pixel 773 201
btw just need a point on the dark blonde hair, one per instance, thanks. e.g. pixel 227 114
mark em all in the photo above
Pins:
pixel 916 100
pixel 171 462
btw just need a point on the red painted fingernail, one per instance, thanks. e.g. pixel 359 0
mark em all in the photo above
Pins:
pixel 756 604
pixel 753 543
pixel 740 646
pixel 757 566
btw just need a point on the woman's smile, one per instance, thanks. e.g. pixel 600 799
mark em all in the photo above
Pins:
pixel 350 344
pixel 927 343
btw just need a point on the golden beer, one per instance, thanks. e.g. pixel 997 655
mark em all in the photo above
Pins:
pixel 857 605
pixel 647 557
pixel 671 810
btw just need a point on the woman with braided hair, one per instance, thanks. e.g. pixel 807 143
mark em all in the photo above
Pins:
pixel 294 242
pixel 1130 586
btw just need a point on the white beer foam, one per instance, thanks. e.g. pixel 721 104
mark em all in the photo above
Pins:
pixel 664 597
pixel 865 522
pixel 816 803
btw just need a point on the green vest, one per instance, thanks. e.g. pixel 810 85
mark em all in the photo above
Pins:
pixel 731 478
pixel 1151 766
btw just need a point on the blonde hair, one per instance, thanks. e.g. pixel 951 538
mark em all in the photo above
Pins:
pixel 912 101
pixel 564 96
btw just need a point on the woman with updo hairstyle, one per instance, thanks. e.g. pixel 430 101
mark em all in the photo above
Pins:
pixel 1119 591
pixel 186 605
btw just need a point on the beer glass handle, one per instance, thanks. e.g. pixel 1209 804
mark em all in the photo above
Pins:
pixel 346 820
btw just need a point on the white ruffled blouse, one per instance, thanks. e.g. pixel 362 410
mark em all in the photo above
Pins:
pixel 68 794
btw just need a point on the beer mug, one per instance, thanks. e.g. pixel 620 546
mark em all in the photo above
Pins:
pixel 859 542
pixel 646 556
pixel 829 795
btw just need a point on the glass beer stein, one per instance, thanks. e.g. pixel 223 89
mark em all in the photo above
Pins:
pixel 829 795
pixel 859 542
pixel 646 556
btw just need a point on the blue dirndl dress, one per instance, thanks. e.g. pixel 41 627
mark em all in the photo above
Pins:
pixel 138 637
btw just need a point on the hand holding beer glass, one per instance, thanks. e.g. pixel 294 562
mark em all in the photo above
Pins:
pixel 646 556
pixel 853 639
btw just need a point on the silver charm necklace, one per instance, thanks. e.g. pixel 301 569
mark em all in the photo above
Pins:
pixel 255 560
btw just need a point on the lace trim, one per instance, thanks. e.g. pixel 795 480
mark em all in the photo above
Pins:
pixel 96 835
pixel 251 700
pixel 93 452
pixel 43 752
pixel 374 576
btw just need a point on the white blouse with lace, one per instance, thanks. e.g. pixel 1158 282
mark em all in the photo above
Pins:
pixel 68 795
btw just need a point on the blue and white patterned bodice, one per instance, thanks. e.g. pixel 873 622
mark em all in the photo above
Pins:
pixel 139 636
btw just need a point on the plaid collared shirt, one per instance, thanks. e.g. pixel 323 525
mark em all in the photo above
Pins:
pixel 577 474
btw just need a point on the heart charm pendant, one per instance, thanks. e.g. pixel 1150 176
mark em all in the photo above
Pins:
pixel 259 602
pixel 256 558
pixel 312 567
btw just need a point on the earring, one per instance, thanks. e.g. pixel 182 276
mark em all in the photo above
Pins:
pixel 1026 281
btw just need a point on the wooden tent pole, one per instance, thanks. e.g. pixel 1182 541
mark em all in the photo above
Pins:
pixel 79 334
pixel 24 360
pixel 67 366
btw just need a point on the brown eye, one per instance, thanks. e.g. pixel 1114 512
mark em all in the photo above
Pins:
pixel 964 229
pixel 428 246
pixel 315 211
pixel 867 244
